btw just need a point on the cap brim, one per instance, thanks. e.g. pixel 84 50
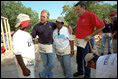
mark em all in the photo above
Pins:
pixel 58 20
pixel 17 25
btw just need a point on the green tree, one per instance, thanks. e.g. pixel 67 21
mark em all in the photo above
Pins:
pixel 10 10
pixel 101 10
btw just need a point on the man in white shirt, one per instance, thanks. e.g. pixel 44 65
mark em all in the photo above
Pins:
pixel 106 65
pixel 62 44
pixel 23 47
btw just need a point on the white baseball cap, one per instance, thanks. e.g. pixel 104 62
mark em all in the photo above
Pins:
pixel 60 19
pixel 20 18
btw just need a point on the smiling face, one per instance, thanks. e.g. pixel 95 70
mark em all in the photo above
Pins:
pixel 44 17
pixel 58 24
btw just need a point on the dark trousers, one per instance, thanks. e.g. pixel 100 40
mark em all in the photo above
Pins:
pixel 81 52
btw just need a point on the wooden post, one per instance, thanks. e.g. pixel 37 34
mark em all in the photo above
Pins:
pixel 5 28
pixel 3 37
pixel 10 39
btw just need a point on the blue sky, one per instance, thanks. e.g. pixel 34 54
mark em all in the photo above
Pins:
pixel 54 7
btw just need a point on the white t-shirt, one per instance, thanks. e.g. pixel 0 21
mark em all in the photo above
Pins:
pixel 107 66
pixel 23 45
pixel 61 41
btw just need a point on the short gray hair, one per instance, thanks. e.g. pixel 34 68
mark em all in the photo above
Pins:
pixel 46 12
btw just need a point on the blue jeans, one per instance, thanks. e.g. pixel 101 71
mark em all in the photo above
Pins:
pixel 65 62
pixel 104 38
pixel 48 60
pixel 81 52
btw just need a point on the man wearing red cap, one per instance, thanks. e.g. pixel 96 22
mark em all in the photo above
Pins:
pixel 23 47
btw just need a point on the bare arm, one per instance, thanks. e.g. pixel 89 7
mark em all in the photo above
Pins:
pixel 87 38
pixel 96 32
pixel 72 47
pixel 26 71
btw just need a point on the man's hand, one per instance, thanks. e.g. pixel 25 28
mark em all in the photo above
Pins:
pixel 72 53
pixel 87 38
pixel 113 35
pixel 26 72
pixel 70 29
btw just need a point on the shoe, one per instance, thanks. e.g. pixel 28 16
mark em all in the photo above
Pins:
pixel 86 77
pixel 101 54
pixel 109 52
pixel 76 74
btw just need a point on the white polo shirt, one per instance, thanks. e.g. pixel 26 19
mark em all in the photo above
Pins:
pixel 23 45
pixel 107 66
pixel 61 41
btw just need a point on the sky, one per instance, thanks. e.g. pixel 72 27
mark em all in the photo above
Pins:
pixel 55 8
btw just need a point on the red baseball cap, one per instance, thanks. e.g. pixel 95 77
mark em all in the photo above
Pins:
pixel 21 18
pixel 24 24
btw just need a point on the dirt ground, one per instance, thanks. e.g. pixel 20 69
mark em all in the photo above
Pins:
pixel 9 70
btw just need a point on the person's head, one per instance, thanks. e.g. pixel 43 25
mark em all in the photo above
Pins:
pixel 91 60
pixel 112 15
pixel 44 16
pixel 80 6
pixel 59 22
pixel 23 21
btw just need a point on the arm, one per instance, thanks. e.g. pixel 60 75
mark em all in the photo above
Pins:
pixel 26 71
pixel 34 32
pixel 87 38
pixel 70 29
pixel 96 22
pixel 72 47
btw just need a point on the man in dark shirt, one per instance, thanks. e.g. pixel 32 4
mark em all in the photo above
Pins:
pixel 44 30
pixel 113 15
pixel 106 35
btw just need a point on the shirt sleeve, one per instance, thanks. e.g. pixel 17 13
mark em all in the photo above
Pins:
pixel 34 32
pixel 97 22
pixel 54 26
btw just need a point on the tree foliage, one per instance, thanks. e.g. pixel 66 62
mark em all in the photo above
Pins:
pixel 11 9
pixel 101 10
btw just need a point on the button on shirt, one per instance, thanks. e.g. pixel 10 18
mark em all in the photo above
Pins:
pixel 86 24
pixel 44 32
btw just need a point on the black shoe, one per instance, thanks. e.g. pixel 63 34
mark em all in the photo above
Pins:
pixel 102 54
pixel 109 52
pixel 76 74
pixel 86 77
